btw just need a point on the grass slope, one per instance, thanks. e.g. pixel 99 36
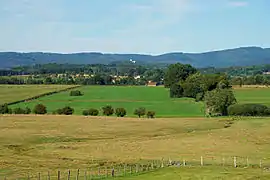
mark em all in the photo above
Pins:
pixel 152 98
pixel 199 173
pixel 11 93
pixel 40 143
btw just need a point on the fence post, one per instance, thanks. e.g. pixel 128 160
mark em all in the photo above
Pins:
pixel 49 176
pixel 234 162
pixel 247 162
pixel 85 175
pixel 77 176
pixel 91 173
pixel 223 161
pixel 162 163
pixel 152 164
pixel 39 176
pixel 137 168
pixel 260 163
pixel 184 162
pixel 124 169
pixel 68 176
pixel 58 175
pixel 113 172
pixel 201 161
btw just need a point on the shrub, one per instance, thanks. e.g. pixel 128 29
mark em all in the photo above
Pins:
pixel 140 112
pixel 108 110
pixel 267 111
pixel 27 110
pixel 151 114
pixel 19 111
pixel 40 109
pixel 247 110
pixel 5 110
pixel 66 110
pixel 120 112
pixel 90 112
pixel 75 93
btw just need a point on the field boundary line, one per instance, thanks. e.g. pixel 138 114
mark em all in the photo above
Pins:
pixel 43 95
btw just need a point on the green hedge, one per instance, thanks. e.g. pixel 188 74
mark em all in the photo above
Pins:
pixel 248 110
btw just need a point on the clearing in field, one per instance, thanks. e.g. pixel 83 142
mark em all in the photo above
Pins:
pixel 12 93
pixel 152 98
pixel 41 143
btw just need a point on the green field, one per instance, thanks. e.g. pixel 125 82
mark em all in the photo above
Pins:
pixel 11 93
pixel 253 95
pixel 152 98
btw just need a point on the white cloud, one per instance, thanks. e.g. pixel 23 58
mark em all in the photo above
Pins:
pixel 238 3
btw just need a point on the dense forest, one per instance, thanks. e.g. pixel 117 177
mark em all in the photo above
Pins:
pixel 121 73
pixel 243 56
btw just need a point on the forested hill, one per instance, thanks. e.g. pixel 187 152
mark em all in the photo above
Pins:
pixel 244 56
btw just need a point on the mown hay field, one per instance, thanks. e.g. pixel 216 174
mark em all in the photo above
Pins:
pixel 40 143
pixel 12 93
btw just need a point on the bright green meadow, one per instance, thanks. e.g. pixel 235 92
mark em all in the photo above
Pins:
pixel 152 98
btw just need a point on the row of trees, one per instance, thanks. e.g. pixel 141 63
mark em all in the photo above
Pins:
pixel 213 89
pixel 67 110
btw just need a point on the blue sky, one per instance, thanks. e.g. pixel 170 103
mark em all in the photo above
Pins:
pixel 133 26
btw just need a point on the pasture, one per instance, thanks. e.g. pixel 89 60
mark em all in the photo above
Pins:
pixel 30 143
pixel 11 93
pixel 152 98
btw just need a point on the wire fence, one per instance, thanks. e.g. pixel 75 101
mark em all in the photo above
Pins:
pixel 144 166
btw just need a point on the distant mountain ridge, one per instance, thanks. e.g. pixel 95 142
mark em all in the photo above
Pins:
pixel 243 56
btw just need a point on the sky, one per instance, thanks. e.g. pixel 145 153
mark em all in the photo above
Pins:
pixel 133 26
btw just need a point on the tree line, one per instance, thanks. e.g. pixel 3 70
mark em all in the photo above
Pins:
pixel 214 90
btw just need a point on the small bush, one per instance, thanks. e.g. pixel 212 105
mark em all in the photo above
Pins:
pixel 120 112
pixel 90 112
pixel 247 110
pixel 65 111
pixel 40 109
pixel 75 93
pixel 5 110
pixel 27 110
pixel 108 110
pixel 19 111
pixel 151 114
pixel 267 111
pixel 140 112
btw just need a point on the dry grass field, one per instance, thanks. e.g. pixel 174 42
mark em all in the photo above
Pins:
pixel 11 93
pixel 41 143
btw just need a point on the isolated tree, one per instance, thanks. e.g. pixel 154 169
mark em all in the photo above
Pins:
pixel 151 114
pixel 108 110
pixel 75 93
pixel 27 110
pixel 218 101
pixel 66 110
pixel 120 112
pixel 176 91
pixel 176 73
pixel 40 109
pixel 140 112
pixel 19 110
